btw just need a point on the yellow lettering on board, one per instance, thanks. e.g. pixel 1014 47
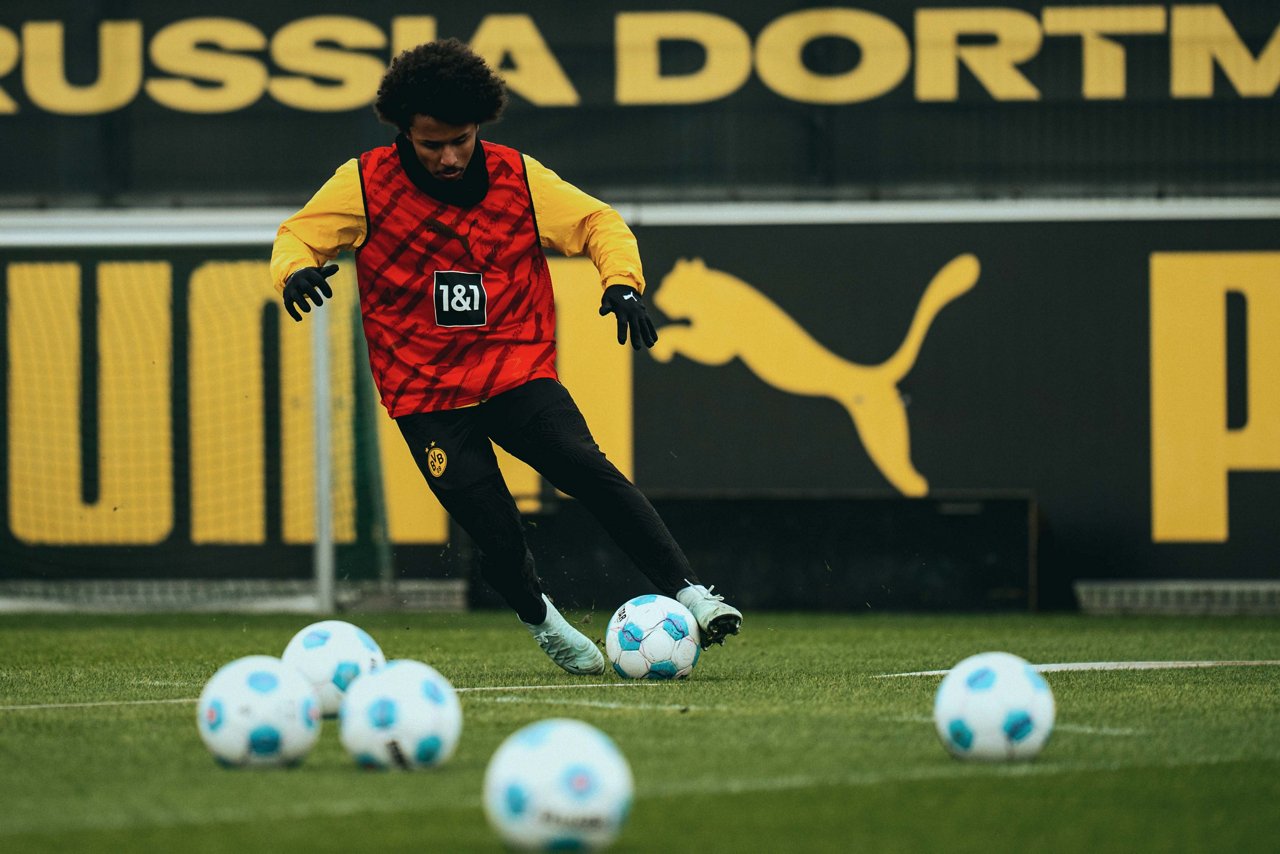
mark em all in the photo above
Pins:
pixel 534 73
pixel 186 50
pixel 225 388
pixel 1192 450
pixel 10 50
pixel 228 430
pixel 119 68
pixel 306 46
pixel 638 38
pixel 1202 37
pixel 939 54
pixel 1103 59
pixel 134 502
pixel 885 56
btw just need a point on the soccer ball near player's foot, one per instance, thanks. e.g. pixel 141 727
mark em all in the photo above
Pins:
pixel 993 706
pixel 258 711
pixel 403 715
pixel 558 784
pixel 653 637
pixel 331 654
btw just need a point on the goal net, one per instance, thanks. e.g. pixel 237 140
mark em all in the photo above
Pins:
pixel 174 440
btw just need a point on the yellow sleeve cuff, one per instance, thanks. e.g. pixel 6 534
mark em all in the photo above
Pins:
pixel 332 222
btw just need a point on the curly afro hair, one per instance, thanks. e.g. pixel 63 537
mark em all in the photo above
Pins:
pixel 444 80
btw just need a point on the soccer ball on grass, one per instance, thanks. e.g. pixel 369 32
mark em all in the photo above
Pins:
pixel 403 715
pixel 993 706
pixel 331 654
pixel 558 784
pixel 257 710
pixel 653 637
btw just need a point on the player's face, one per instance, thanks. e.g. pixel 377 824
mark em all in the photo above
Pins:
pixel 444 149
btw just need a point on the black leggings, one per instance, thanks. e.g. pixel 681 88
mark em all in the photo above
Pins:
pixel 539 424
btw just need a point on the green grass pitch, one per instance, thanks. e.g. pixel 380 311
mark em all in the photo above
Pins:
pixel 783 740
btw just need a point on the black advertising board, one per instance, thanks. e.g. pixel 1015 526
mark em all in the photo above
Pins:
pixel 1038 378
pixel 148 103
pixel 1115 369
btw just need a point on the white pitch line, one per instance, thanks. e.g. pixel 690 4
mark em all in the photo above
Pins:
pixel 1082 729
pixel 34 706
pixel 108 703
pixel 636 684
pixel 1108 665
pixel 919 774
pixel 601 704
pixel 1098 730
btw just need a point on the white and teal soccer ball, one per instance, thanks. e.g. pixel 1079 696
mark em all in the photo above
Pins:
pixel 558 784
pixel 258 711
pixel 993 706
pixel 332 654
pixel 653 637
pixel 404 715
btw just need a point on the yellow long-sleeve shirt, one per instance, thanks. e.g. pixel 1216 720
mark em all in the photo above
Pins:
pixel 569 221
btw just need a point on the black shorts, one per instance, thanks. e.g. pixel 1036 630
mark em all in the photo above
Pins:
pixel 540 424
pixel 454 448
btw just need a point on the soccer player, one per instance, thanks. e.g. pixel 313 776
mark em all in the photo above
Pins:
pixel 458 313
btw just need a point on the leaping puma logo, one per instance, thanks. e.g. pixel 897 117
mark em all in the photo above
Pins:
pixel 728 319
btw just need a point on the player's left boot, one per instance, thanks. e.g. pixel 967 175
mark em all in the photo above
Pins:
pixel 717 618
pixel 565 645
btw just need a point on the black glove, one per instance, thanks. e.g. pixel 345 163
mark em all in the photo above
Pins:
pixel 307 283
pixel 624 301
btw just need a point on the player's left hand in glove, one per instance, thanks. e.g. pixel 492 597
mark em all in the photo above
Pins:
pixel 624 301
pixel 307 284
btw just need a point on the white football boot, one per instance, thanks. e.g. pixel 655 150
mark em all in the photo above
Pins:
pixel 565 645
pixel 715 617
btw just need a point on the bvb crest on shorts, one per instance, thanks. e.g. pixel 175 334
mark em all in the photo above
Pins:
pixel 436 460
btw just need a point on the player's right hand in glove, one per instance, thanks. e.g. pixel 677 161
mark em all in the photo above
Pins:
pixel 309 283
pixel 624 302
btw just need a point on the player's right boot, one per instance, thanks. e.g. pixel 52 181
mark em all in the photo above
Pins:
pixel 565 645
pixel 717 618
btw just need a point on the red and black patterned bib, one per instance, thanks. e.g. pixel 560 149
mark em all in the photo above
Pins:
pixel 457 302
